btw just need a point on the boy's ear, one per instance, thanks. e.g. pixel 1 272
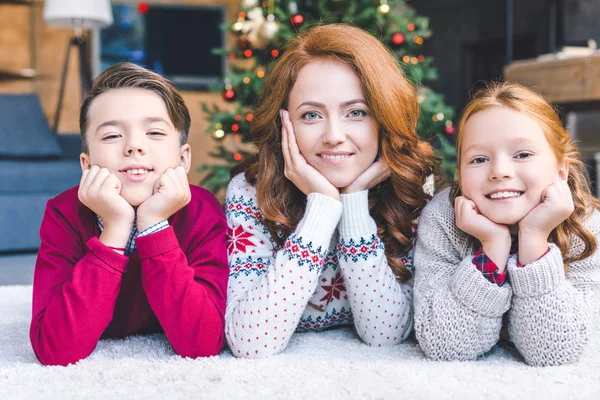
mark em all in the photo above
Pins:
pixel 185 159
pixel 84 160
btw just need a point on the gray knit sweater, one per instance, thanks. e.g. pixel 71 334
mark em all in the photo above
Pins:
pixel 458 312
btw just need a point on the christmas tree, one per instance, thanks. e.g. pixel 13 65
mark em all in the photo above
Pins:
pixel 263 28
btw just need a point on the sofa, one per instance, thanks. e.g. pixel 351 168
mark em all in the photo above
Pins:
pixel 36 164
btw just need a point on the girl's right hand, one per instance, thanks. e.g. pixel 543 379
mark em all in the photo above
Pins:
pixel 495 238
pixel 305 177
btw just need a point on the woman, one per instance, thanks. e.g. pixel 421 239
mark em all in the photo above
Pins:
pixel 320 220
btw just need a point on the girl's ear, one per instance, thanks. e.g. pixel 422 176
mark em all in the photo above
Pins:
pixel 185 159
pixel 84 160
pixel 563 171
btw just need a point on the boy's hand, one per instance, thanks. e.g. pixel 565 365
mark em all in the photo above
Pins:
pixel 495 238
pixel 297 170
pixel 171 193
pixel 99 190
pixel 534 229
pixel 376 173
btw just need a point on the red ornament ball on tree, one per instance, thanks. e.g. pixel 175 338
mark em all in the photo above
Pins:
pixel 275 53
pixel 229 95
pixel 449 130
pixel 297 19
pixel 237 156
pixel 398 39
pixel 143 8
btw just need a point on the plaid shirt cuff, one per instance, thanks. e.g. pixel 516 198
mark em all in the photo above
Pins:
pixel 159 226
pixel 487 267
pixel 522 265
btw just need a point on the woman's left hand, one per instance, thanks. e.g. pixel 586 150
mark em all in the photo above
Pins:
pixel 376 173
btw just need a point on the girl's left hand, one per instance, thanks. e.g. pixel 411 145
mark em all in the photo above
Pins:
pixel 556 206
pixel 376 173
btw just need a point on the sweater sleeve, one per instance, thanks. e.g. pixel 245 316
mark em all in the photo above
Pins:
pixel 458 312
pixel 187 290
pixel 381 305
pixel 269 287
pixel 75 289
pixel 551 316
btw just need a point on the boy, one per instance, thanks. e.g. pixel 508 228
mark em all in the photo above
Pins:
pixel 135 248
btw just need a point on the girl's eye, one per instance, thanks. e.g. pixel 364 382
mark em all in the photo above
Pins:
pixel 111 136
pixel 478 160
pixel 523 155
pixel 310 115
pixel 357 113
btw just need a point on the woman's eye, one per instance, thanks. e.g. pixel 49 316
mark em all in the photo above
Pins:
pixel 357 113
pixel 311 115
pixel 523 155
pixel 478 160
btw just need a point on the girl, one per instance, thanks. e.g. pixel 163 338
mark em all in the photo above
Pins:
pixel 518 234
pixel 320 219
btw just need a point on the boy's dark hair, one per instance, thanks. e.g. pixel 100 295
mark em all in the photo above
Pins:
pixel 128 75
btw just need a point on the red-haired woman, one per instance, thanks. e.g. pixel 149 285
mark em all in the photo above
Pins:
pixel 320 220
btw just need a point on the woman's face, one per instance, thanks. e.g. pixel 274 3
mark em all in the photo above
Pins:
pixel 335 131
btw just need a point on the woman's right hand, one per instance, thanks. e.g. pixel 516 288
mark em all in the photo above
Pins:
pixel 495 238
pixel 305 177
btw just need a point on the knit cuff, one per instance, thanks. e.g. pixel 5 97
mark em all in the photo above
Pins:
pixel 320 218
pixel 156 243
pixel 538 277
pixel 477 293
pixel 356 219
pixel 103 256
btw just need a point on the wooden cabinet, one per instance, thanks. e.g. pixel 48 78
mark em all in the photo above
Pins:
pixel 571 80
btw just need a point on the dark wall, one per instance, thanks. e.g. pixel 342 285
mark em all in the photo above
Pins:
pixel 469 37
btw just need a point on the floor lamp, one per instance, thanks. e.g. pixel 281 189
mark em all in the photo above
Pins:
pixel 79 15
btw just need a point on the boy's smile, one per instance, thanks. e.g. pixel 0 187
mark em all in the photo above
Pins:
pixel 131 134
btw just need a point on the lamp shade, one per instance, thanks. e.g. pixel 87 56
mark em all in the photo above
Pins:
pixel 85 14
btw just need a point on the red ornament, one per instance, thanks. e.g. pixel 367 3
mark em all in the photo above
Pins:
pixel 238 117
pixel 421 58
pixel 450 130
pixel 275 53
pixel 297 19
pixel 229 95
pixel 249 117
pixel 248 53
pixel 143 8
pixel 237 156
pixel 235 127
pixel 398 39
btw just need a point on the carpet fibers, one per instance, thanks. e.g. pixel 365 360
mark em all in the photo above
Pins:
pixel 330 365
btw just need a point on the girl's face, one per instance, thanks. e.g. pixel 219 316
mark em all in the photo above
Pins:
pixel 506 164
pixel 334 129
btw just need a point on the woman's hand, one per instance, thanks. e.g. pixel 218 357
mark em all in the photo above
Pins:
pixel 305 177
pixel 376 173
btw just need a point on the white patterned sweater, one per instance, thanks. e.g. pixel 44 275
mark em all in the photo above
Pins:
pixel 331 271
pixel 458 312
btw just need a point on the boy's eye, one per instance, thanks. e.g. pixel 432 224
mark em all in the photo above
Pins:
pixel 523 155
pixel 111 136
pixel 478 160
pixel 310 115
pixel 357 113
pixel 155 133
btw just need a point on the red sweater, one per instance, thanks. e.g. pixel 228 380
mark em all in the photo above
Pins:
pixel 175 281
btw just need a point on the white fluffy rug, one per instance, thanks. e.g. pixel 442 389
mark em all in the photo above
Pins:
pixel 328 365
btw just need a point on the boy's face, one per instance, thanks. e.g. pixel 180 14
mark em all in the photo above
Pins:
pixel 130 133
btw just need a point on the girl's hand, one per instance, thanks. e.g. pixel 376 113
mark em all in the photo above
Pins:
pixel 534 229
pixel 376 173
pixel 495 238
pixel 556 206
pixel 305 177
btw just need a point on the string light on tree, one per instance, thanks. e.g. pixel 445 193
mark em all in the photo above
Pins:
pixel 384 7
pixel 297 19
pixel 228 93
pixel 219 134
pixel 449 127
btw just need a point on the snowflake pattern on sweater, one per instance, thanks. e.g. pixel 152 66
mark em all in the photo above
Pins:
pixel 331 271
